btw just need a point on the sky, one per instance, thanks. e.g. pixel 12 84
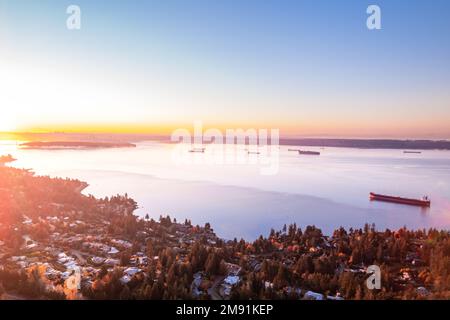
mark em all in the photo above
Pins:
pixel 306 67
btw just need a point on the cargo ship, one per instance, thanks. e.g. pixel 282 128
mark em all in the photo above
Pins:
pixel 414 152
pixel 309 153
pixel 197 150
pixel 425 202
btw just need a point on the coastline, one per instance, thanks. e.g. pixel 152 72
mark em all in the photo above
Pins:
pixel 124 139
pixel 55 145
pixel 103 237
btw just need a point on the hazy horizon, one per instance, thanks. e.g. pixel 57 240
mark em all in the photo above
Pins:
pixel 19 136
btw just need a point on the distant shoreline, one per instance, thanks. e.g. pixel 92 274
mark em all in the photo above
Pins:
pixel 370 143
pixel 69 140
pixel 363 143
pixel 75 145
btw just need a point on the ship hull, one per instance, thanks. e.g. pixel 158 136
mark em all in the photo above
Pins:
pixel 400 200
pixel 309 153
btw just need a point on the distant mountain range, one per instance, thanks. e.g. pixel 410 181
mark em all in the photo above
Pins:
pixel 98 139
pixel 370 143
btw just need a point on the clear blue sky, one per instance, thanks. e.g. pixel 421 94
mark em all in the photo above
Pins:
pixel 307 67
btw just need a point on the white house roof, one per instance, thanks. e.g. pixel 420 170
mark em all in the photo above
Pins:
pixel 314 295
pixel 231 280
pixel 113 250
pixel 132 271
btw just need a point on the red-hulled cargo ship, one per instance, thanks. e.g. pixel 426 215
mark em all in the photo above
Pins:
pixel 425 202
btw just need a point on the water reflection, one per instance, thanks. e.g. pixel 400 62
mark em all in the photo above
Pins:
pixel 329 191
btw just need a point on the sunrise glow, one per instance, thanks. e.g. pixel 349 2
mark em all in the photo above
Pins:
pixel 142 77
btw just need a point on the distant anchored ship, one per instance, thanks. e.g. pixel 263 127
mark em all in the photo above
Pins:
pixel 305 152
pixel 309 153
pixel 197 150
pixel 424 202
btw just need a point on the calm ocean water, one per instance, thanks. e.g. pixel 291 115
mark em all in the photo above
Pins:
pixel 328 191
